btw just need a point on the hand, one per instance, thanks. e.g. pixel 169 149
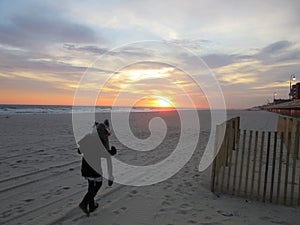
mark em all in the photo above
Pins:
pixel 110 182
pixel 113 150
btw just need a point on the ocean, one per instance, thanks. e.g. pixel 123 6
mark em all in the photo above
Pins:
pixel 58 109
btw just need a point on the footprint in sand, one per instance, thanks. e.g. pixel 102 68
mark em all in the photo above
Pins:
pixel 182 212
pixel 188 184
pixel 208 218
pixel 116 212
pixel 129 195
pixel 167 186
pixel 166 203
pixel 29 200
pixel 184 206
pixel 162 210
pixel 134 192
pixel 224 213
pixel 178 190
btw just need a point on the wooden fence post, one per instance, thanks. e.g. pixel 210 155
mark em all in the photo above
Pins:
pixel 213 172
pixel 299 191
pixel 295 144
pixel 224 157
pixel 297 139
pixel 267 167
pixel 254 163
pixel 236 161
pixel 242 161
pixel 260 163
pixel 273 166
pixel 287 168
pixel 248 162
pixel 230 149
pixel 280 166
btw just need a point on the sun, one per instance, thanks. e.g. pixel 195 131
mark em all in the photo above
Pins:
pixel 163 103
pixel 155 102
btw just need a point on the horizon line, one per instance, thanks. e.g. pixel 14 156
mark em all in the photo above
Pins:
pixel 152 107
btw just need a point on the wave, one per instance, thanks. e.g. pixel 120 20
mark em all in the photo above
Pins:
pixel 53 109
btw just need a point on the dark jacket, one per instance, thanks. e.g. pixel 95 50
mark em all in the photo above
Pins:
pixel 86 169
pixel 103 135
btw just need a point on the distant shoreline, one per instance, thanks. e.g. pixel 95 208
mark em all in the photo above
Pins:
pixel 6 109
pixel 291 108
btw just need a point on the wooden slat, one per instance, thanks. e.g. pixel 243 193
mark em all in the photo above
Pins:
pixel 230 149
pixel 213 171
pixel 220 156
pixel 224 158
pixel 227 141
pixel 299 191
pixel 236 161
pixel 281 124
pixel 295 144
pixel 248 162
pixel 218 165
pixel 287 168
pixel 238 125
pixel 213 176
pixel 260 163
pixel 273 166
pixel 242 161
pixel 298 136
pixel 254 163
pixel 267 168
pixel 280 166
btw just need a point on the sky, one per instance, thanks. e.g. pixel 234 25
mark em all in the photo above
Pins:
pixel 251 48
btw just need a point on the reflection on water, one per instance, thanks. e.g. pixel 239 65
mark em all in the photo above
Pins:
pixel 288 112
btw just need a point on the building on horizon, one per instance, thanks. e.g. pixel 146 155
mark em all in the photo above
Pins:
pixel 279 101
pixel 296 91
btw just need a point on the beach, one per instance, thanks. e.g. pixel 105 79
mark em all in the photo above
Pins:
pixel 40 180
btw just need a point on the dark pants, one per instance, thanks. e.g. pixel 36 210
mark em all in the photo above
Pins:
pixel 93 188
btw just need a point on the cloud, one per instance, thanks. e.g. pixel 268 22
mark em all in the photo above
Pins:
pixel 218 60
pixel 125 51
pixel 25 84
pixel 41 67
pixel 89 48
pixel 278 52
pixel 40 63
pixel 234 24
pixel 274 53
pixel 276 47
pixel 34 30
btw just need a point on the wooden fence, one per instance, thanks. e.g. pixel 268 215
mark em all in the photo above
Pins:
pixel 257 164
pixel 288 125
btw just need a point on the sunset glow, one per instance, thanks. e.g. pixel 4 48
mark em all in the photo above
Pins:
pixel 163 103
pixel 45 50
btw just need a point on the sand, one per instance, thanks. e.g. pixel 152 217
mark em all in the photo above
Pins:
pixel 40 181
